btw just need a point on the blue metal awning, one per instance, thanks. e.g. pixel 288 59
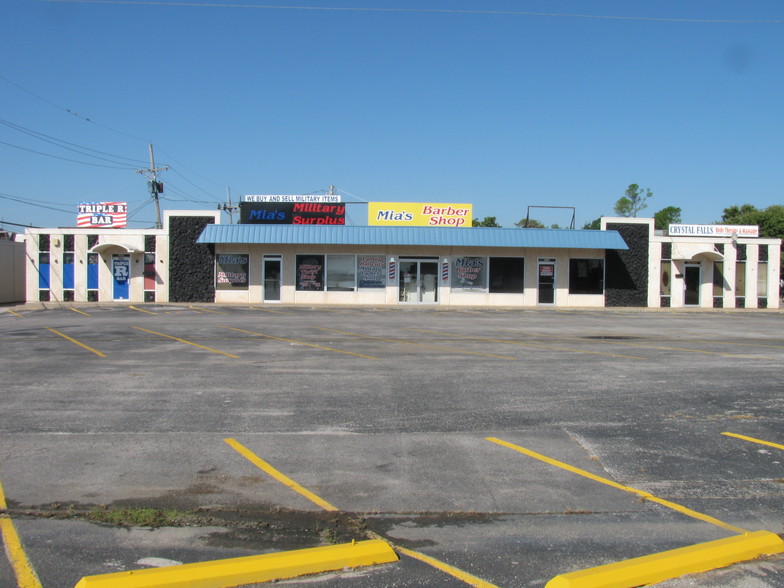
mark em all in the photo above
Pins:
pixel 422 236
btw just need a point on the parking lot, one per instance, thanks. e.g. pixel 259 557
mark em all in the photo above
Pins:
pixel 509 446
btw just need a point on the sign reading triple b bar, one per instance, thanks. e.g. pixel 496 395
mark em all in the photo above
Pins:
pixel 292 213
pixel 418 214
pixel 102 215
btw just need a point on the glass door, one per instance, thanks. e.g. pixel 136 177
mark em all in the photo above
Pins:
pixel 121 270
pixel 271 277
pixel 691 284
pixel 418 281
pixel 546 281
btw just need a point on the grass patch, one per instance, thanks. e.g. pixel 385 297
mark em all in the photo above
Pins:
pixel 129 516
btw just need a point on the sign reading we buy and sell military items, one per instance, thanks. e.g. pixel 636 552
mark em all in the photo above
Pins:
pixel 293 213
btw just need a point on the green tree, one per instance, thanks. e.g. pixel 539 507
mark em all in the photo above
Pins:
pixel 593 225
pixel 667 216
pixel 532 224
pixel 770 220
pixel 488 221
pixel 633 202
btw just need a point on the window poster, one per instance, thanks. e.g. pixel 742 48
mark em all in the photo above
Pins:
pixel 310 272
pixel 231 271
pixel 371 271
pixel 469 273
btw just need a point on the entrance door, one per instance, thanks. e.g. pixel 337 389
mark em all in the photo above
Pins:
pixel 418 280
pixel 691 284
pixel 121 270
pixel 546 281
pixel 271 278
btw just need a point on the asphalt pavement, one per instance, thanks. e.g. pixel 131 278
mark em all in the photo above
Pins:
pixel 512 445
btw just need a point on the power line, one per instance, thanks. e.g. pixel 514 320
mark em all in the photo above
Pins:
pixel 56 142
pixel 423 11
pixel 68 110
pixel 32 203
pixel 191 183
pixel 62 143
pixel 63 158
pixel 5 222
pixel 189 197
pixel 189 169
pixel 137 210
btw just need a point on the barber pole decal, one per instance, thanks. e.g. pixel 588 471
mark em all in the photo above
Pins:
pixel 392 270
pixel 445 271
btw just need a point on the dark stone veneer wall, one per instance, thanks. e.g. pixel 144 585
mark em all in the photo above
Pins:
pixel 627 271
pixel 191 274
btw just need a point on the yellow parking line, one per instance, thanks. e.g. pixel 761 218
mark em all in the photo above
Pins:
pixel 189 343
pixel 753 440
pixel 142 310
pixel 645 495
pixel 300 343
pixel 452 571
pixel 403 341
pixel 286 481
pixel 282 478
pixel 25 574
pixel 270 310
pixel 206 310
pixel 79 311
pixel 526 344
pixel 72 340
pixel 14 313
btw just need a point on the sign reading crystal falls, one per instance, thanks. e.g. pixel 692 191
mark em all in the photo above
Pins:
pixel 292 213
pixel 102 215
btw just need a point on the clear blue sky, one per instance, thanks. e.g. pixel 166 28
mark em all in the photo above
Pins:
pixel 434 101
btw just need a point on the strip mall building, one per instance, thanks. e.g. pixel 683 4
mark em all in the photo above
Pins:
pixel 195 258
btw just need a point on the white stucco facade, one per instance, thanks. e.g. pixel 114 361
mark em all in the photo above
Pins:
pixel 710 272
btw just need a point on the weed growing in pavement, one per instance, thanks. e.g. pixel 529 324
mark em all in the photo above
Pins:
pixel 136 517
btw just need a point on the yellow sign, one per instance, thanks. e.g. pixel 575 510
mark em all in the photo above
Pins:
pixel 419 214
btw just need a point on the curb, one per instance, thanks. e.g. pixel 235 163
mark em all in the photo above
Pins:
pixel 223 573
pixel 662 566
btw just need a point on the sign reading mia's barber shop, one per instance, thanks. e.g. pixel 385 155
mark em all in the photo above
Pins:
pixel 713 231
pixel 419 214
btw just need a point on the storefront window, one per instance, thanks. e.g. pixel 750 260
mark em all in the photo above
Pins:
pixel 341 273
pixel 371 271
pixel 740 284
pixel 310 272
pixel 231 271
pixel 718 284
pixel 68 270
pixel 149 273
pixel 43 271
pixel 718 278
pixel 666 278
pixel 586 276
pixel 92 277
pixel 506 275
pixel 470 273
pixel 762 284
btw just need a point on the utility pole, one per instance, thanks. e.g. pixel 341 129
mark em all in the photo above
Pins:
pixel 154 185
pixel 227 206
